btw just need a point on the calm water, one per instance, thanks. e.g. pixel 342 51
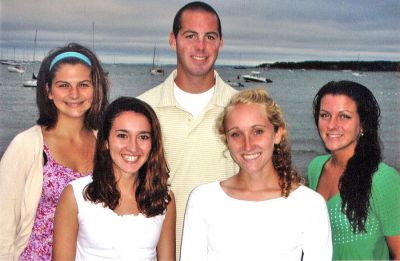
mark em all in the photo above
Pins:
pixel 293 90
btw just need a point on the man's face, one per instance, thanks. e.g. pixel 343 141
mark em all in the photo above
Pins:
pixel 197 43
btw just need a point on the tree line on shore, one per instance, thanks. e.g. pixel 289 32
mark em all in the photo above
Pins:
pixel 385 66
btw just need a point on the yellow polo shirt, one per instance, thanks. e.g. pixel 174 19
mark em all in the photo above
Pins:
pixel 194 151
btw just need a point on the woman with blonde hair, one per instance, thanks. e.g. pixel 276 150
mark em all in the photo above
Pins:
pixel 263 212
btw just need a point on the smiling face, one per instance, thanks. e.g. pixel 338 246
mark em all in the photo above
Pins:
pixel 339 123
pixel 129 143
pixel 72 90
pixel 197 44
pixel 251 137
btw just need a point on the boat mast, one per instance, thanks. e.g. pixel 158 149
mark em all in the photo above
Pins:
pixel 154 55
pixel 34 46
pixel 93 36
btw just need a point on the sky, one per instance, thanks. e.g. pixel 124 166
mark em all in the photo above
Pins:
pixel 254 31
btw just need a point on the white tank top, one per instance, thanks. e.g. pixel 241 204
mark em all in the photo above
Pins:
pixel 104 235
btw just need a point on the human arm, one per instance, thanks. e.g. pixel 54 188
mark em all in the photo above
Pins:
pixel 317 243
pixel 167 242
pixel 21 175
pixel 194 239
pixel 65 226
pixel 394 246
pixel 314 171
pixel 386 204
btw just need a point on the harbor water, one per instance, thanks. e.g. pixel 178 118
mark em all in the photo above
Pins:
pixel 292 89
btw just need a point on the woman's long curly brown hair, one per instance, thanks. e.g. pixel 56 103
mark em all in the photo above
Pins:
pixel 151 194
pixel 282 156
pixel 356 182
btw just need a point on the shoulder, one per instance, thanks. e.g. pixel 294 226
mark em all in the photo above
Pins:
pixel 82 181
pixel 77 187
pixel 33 134
pixel 206 199
pixel 79 184
pixel 386 171
pixel 154 95
pixel 27 145
pixel 319 161
pixel 314 169
pixel 317 164
pixel 385 177
pixel 307 196
pixel 307 203
pixel 229 90
pixel 223 90
pixel 206 190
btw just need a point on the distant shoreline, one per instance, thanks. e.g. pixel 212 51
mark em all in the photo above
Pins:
pixel 365 66
pixel 362 66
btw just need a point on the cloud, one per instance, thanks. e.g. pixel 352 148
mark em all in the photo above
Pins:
pixel 256 30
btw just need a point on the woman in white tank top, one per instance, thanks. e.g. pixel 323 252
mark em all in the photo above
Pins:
pixel 125 211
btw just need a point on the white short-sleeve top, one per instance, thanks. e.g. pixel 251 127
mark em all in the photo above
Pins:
pixel 219 227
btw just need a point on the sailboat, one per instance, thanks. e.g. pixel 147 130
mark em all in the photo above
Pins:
pixel 240 66
pixel 15 67
pixel 156 70
pixel 358 73
pixel 33 81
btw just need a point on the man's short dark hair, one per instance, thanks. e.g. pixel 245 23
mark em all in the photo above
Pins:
pixel 194 6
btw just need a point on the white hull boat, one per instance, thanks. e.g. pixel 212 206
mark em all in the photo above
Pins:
pixel 255 76
pixel 156 70
pixel 15 69
pixel 31 83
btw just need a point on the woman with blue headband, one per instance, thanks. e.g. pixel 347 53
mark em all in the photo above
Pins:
pixel 71 96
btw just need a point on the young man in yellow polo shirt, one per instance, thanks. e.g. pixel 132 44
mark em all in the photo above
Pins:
pixel 188 104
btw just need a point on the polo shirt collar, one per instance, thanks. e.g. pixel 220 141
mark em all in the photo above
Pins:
pixel 168 98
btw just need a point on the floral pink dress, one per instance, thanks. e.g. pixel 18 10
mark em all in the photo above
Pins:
pixel 55 179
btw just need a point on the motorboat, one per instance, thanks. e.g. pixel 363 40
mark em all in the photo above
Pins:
pixel 31 83
pixel 358 74
pixel 255 76
pixel 235 84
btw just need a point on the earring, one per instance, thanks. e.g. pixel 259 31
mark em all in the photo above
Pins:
pixel 361 133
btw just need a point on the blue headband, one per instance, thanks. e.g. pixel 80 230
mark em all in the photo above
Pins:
pixel 70 55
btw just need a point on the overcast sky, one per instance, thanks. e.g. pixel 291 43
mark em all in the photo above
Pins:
pixel 254 31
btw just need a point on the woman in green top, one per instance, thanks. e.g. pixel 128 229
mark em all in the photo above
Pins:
pixel 362 193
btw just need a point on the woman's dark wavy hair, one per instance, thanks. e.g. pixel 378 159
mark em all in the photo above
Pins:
pixel 356 182
pixel 282 156
pixel 151 193
pixel 46 107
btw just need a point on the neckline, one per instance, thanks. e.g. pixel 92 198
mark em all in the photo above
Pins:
pixel 319 177
pixel 50 158
pixel 333 197
pixel 218 183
